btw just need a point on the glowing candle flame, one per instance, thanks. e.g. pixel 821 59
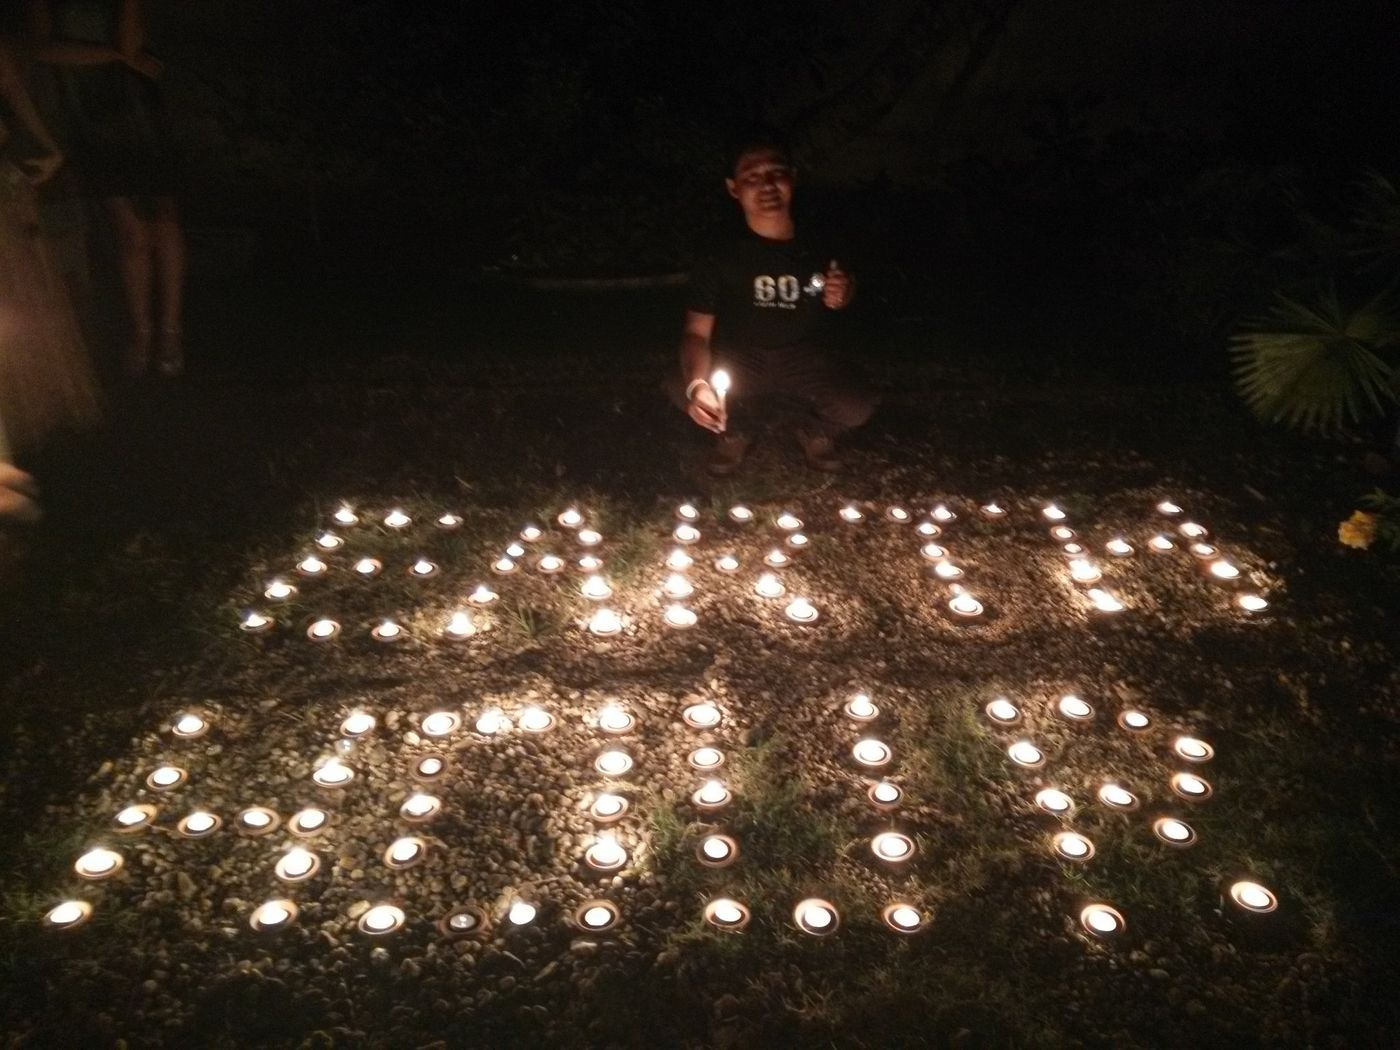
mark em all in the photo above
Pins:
pixel 530 533
pixel 297 864
pixel 1052 800
pixel 381 919
pixel 686 534
pixel 1174 832
pixel 727 563
pixel 1052 513
pixel 725 912
pixel 440 723
pixel 1119 547
pixel 605 622
pixel 1117 797
pixel 706 758
pixel 256 818
pixel 419 806
pixel 1004 711
pixel 535 719
pixel 333 774
pixel 522 913
pixel 942 514
pixel 67 914
pixel 677 586
pixel 589 537
pixel 311 566
pixel 309 821
pixel 1192 531
pixel 1161 543
pixel 483 595
pixel 964 604
pixel 687 512
pixel 550 564
pixel 613 719
pixel 613 763
pixel 397 519
pixel 606 854
pixel 98 863
pixel 797 540
pixel 1224 570
pixel 928 530
pixel 885 794
pixel 345 515
pixel 1101 920
pixel 678 560
pixel 357 723
pixel 515 550
pixel 1190 786
pixel 1024 753
pixel 993 510
pixel 861 708
pixel 1062 533
pixel 404 851
pixel 449 521
pixel 189 725
pixel 1134 720
pixel 1081 570
pixel 329 541
pixel 492 721
pixel 608 805
pixel 800 610
pixel 776 559
pixel 679 617
pixel 1253 896
pixel 702 716
pixel 904 917
pixel 788 522
pixel 712 793
pixel 368 566
pixel 851 513
pixel 253 622
pixel 933 552
pixel 1072 707
pixel 769 586
pixel 1073 846
pixel 1104 602
pixel 715 847
pixel 423 567
pixel 460 625
pixel 570 518
pixel 814 916
pixel 1193 750
pixel 323 629
pixel 1251 603
pixel 892 846
pixel 946 570
pixel 278 590
pixel 598 917
pixel 871 752
pixel 503 566
pixel 741 514
pixel 1168 507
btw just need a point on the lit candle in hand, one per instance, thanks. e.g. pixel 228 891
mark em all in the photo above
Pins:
pixel 719 383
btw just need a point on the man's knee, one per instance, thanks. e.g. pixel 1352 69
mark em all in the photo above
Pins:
pixel 850 407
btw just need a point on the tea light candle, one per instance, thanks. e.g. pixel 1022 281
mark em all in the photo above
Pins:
pixel 679 617
pixel 928 530
pixel 1102 920
pixel 273 915
pixel 788 522
pixel 1134 721
pixel 964 604
pixel 800 610
pixel 885 795
pixel 134 818
pixel 686 534
pixel 613 763
pixel 311 566
pixel 897 514
pixel 687 512
pixel 530 533
pixel 1191 787
pixel 550 564
pixel 515 550
pixel 198 824
pixel 420 808
pixel 726 914
pixel 503 566
pixel 1168 508
pixel 254 622
pixel 345 515
pixel 892 847
pixel 535 720
pixel 717 851
pixel 67 914
pixel 776 559
pixel 397 519
pixel 521 913
pixel 423 568
pixel 1192 531
pixel 1070 845
pixel 368 567
pixel 903 918
pixel 297 865
pixel 993 510
pixel 1053 800
pixel 1119 547
pixel 1224 570
pixel 459 626
pixel 357 724
pixel 707 758
pixel 743 515
pixel 1003 712
pixel 1253 896
pixel 482 595
pixel 164 778
pixel 1081 570
pixel 942 514
pixel 946 570
pixel 333 774
pixel 933 552
pixel 310 821
pixel 1174 832
pixel 381 919
pixel 861 708
pixel 605 623
pixel 256 820
pixel 589 537
pixel 449 521
pixel 701 716
pixel 1052 513
pixel 851 513
pixel 607 808
pixel 278 590
pixel 1161 544
pixel 1103 601
pixel 727 563
pixel 491 721
pixel 98 863
pixel 387 631
pixel 323 630
pixel 1075 709
pixel 440 723
pixel 1116 797
pixel 189 725
pixel 711 795
pixel 589 563
pixel 329 541
pixel 404 853
pixel 430 768
pixel 719 383
pixel 1073 550
pixel 797 540
pixel 613 719
pixel 596 916
pixel 1251 603
pixel 606 854
pixel 1024 753
pixel 463 922
pixel 817 917
pixel 1192 749
pixel 872 753
pixel 570 518
pixel 677 586
pixel 769 586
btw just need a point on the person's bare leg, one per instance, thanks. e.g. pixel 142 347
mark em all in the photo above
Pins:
pixel 168 244
pixel 134 262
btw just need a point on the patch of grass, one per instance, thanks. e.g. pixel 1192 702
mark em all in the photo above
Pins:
pixel 775 820
pixel 531 623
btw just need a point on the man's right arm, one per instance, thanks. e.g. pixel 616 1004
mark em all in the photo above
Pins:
pixel 701 402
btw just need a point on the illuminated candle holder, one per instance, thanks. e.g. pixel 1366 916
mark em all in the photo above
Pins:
pixel 928 530
pixel 405 852
pixel 397 519
pixel 589 563
pixel 1073 550
pixel 942 514
pixel 1224 570
pixel 198 824
pixel 605 623
pixel 98 863
pixel 1204 551
pixel 1192 749
pixel 1116 797
pixel 422 568
pixel 1102 920
pixel 1175 833
pixel 726 914
pixel 727 563
pixel 333 774
pixel 788 522
pixel 702 716
pixel 776 559
pixel 1160 544
pixel 309 822
pixel 278 590
pixel 1251 603
pixel 530 533
pixel 885 795
pixel 688 512
pixel 570 518
pixel 743 515
pixel 1072 846
pixel 608 808
pixel 323 630
pixel 419 808
pixel 1082 570
pixel 965 605
pixel 678 560
pixel 897 514
pixel 189 726
pixel 1192 531
pixel 459 626
pixel 387 631
pixel 677 586
pixel 706 758
pixel 595 588
pixel 872 753
pixel 535 720
pixel 1051 512
pixel 993 510
pixel 1003 712
pixel 67 915
pixel 466 921
pixel 504 566
pixel 1024 753
pixel 297 865
pixel 521 913
pixel 381 919
pixel 1253 897
pixel 448 522
pixel 1168 508
pixel 861 708
pixel 1133 721
pixel 482 595
pixel 430 768
pixel 711 795
pixel 596 916
pixel 769 586
pixel 1103 601
pixel 254 622
pixel 357 724
pixel 613 719
pixel 797 540
pixel 550 564
pixel 851 514
pixel 892 847
pixel 273 915
pixel 166 778
pixel 933 552
pixel 816 917
pixel 800 610
pixel 606 854
pixel 686 534
pixel 131 819
pixel 1054 801
pixel 329 541
pixel 1191 787
pixel 679 617
pixel 440 723
pixel 946 570
pixel 491 721
pixel 717 851
pixel 613 763
pixel 1062 533
pixel 1075 709
pixel 312 566
pixel 1119 547
pixel 903 917
pixel 588 537
pixel 257 820
pixel 345 515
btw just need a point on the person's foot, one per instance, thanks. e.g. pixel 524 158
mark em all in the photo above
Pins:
pixel 728 453
pixel 820 452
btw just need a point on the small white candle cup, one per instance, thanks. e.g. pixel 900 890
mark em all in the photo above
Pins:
pixel 711 795
pixel 198 824
pixel 727 563
pixel 1251 603
pixel 535 720
pixel 1114 796
pixel 1192 531
pixel 1175 833
pixel 605 623
pixel 131 819
pixel 380 920
pixel 851 514
pixel 678 560
pixel 256 821
pixel 898 515
pixel 254 622
pixel 67 914
pixel 166 778
pixel 1082 570
pixel 448 521
pixel 550 564
pixel 530 533
pixel 504 566
pixel 419 808
pixel 1026 754
pixel 357 724
pixel 1253 896
pixel 273 915
pixel 466 921
pixel 769 586
pixel 99 863
pixel 797 540
pixel 933 552
pixel 440 723
pixel 278 590
pixel 726 914
pixel 308 822
pixel 686 534
pixel 1103 601
pixel 993 510
pixel 717 851
pixel 872 753
pixel 482 595
pixel 942 514
pixel 800 610
pixel 1119 547
pixel 1051 512
pixel 776 559
pixel 422 568
pixel 595 588
pixel 1003 712
pixel 329 541
pixel 397 519
pixel 1134 721
pixel 345 515
pixel 1074 708
pixel 946 570
pixel 1073 550
pixel 491 721
pixel 613 719
pixel 312 566
pixel 596 916
pixel 189 725
pixel 679 618
pixel 892 847
pixel 570 518
pixel 964 605
pixel 677 586
pixel 1191 787
pixel 903 917
pixel 1193 749
pixel 816 917
pixel 1072 846
pixel 741 514
pixel 613 763
pixel 608 808
pixel 387 631
pixel 1224 570
pixel 885 795
pixel 405 852
pixel 606 854
pixel 860 708
pixel 589 563
pixel 323 630
pixel 297 865
pixel 688 512
pixel 706 758
pixel 430 768
pixel 1062 533
pixel 1160 544
pixel 516 551
pixel 588 537
pixel 788 521
pixel 333 774
pixel 702 716
pixel 1054 801
pixel 1102 920
pixel 928 530
pixel 1168 508
pixel 459 626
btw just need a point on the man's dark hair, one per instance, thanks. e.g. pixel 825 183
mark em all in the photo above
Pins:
pixel 755 137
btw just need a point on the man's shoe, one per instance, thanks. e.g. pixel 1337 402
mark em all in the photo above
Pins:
pixel 820 452
pixel 728 453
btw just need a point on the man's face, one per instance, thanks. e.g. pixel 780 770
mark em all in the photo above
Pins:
pixel 762 183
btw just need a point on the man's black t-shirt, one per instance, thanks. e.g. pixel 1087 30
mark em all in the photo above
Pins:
pixel 765 294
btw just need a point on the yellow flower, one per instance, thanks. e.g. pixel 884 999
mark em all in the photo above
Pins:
pixel 1358 530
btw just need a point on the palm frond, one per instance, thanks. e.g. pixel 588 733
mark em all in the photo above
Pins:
pixel 1376 223
pixel 1315 366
